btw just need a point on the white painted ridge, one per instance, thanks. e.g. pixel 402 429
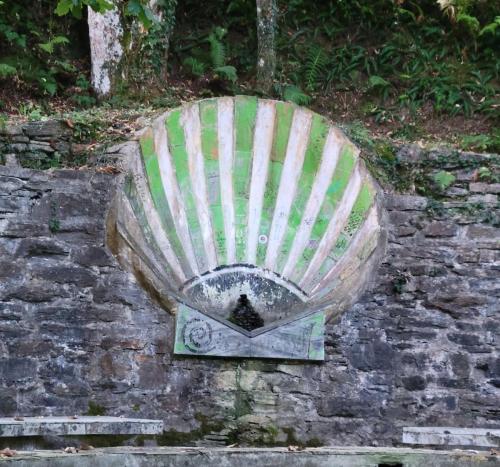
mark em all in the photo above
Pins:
pixel 172 192
pixel 334 228
pixel 294 159
pixel 190 120
pixel 262 145
pixel 155 222
pixel 329 160
pixel 225 117
pixel 369 226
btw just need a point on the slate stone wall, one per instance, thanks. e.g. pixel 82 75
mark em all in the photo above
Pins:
pixel 79 335
pixel 37 144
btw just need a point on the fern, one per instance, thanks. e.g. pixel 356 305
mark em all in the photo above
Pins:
pixel 217 51
pixel 380 85
pixel 296 95
pixel 316 63
pixel 195 67
pixel 227 72
pixel 6 70
pixel 49 45
pixel 471 23
pixel 491 27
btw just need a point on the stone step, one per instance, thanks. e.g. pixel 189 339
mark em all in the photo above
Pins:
pixel 451 436
pixel 84 425
pixel 276 457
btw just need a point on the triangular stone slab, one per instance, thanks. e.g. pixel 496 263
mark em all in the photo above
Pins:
pixel 299 339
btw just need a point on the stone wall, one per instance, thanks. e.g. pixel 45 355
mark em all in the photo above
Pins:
pixel 37 144
pixel 79 335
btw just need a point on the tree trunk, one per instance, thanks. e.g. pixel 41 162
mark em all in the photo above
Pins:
pixel 266 56
pixel 122 50
pixel 106 51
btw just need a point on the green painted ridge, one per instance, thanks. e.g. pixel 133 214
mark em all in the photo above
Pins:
pixel 363 202
pixel 312 161
pixel 284 117
pixel 210 150
pixel 132 195
pixel 245 113
pixel 283 123
pixel 177 146
pixel 358 215
pixel 153 177
pixel 340 179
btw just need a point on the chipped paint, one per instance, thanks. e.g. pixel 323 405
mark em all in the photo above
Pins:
pixel 257 197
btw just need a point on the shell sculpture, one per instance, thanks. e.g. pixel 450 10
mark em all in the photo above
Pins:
pixel 243 196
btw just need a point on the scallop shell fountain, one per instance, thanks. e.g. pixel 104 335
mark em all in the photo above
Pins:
pixel 239 198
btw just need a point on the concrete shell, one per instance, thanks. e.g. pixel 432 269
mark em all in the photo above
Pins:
pixel 243 195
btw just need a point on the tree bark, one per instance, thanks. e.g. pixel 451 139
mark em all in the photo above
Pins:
pixel 122 50
pixel 106 51
pixel 266 56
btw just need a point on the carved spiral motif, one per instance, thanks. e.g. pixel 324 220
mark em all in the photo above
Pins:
pixel 198 335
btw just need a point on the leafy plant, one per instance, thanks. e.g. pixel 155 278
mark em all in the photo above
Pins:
pixel 51 43
pixel 75 7
pixel 227 72
pixel 217 53
pixel 195 67
pixel 379 85
pixel 484 142
pixel 315 67
pixel 7 70
pixel 83 97
pixel 295 94
pixel 443 179
pixel 217 49
pixel 491 28
pixel 31 111
pixel 33 46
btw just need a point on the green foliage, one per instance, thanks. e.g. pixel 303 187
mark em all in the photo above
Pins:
pixel 31 111
pixel 33 45
pixel 295 94
pixel 194 66
pixel 315 67
pixel 75 6
pixel 360 135
pixel 7 70
pixel 84 97
pixel 226 72
pixel 154 46
pixel 379 85
pixel 443 179
pixel 197 66
pixel 95 409
pixel 217 49
pixel 139 9
pixel 491 28
pixel 483 142
pixel 469 22
pixel 486 175
pixel 400 56
pixel 407 53
pixel 51 43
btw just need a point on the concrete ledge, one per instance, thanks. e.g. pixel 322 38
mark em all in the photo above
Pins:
pixel 229 457
pixel 67 426
pixel 449 436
